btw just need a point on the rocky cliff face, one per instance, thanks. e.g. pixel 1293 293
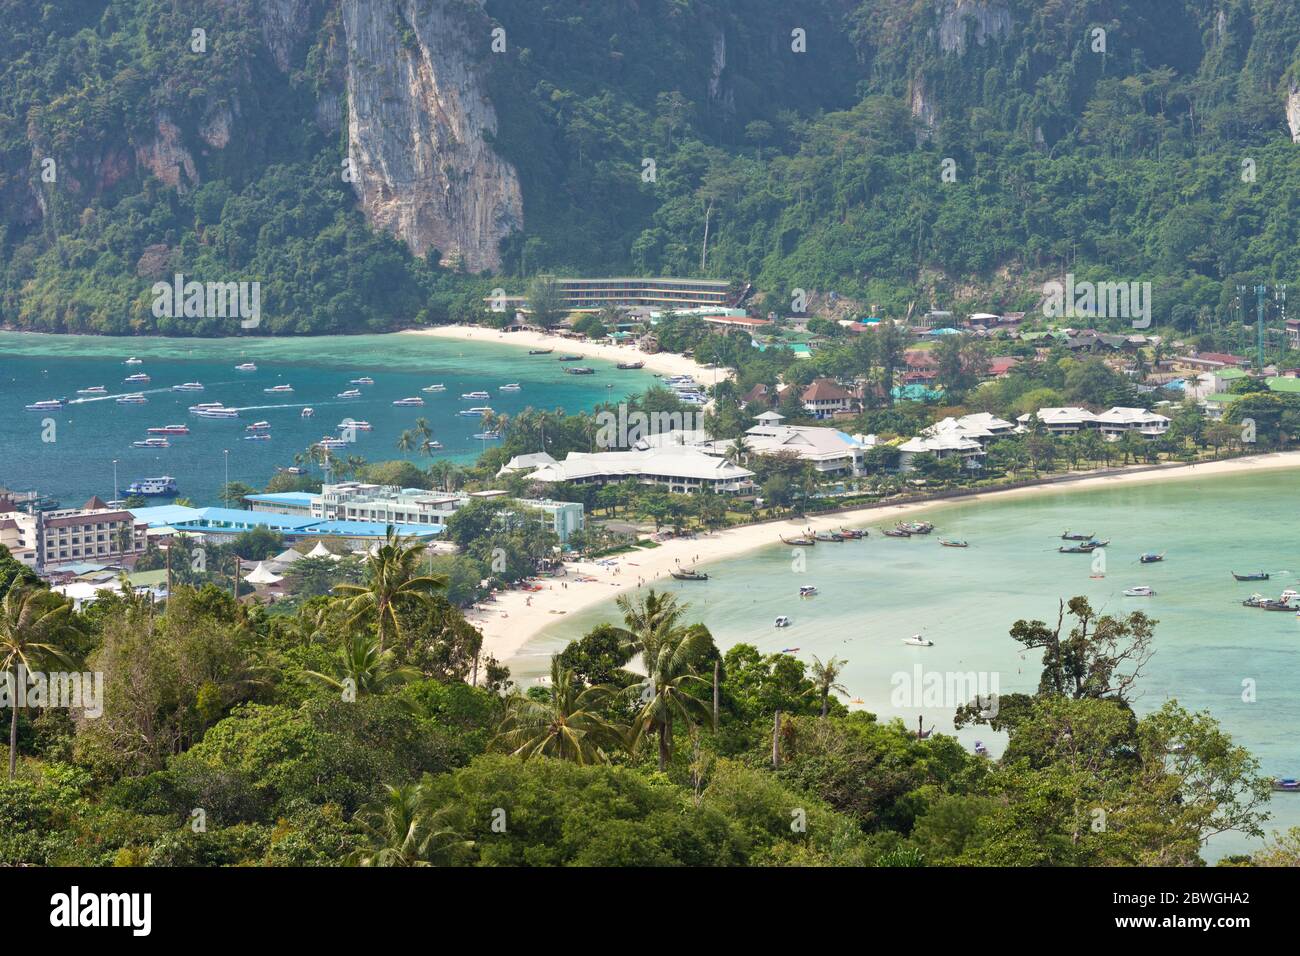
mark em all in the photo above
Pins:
pixel 990 20
pixel 1293 112
pixel 418 119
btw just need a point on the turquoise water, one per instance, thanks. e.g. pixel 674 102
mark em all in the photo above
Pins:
pixel 874 593
pixel 91 432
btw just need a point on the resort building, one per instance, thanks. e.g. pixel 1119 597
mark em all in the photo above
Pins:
pixel 1115 422
pixel 830 451
pixel 981 427
pixel 823 399
pixel 941 446
pixel 49 539
pixel 1061 421
pixel 592 295
pixel 675 468
pixel 219 524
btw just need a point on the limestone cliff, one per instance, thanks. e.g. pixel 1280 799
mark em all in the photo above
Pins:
pixel 418 124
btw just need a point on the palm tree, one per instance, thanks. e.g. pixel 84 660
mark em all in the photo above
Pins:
pixel 738 451
pixel 403 829
pixel 34 622
pixel 648 620
pixel 364 667
pixel 566 726
pixel 394 583
pixel 668 692
pixel 826 679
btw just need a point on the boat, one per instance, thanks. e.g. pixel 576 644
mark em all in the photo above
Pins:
pixel 580 370
pixel 434 388
pixel 570 358
pixel 896 533
pixel 1267 604
pixel 49 405
pixel 540 351
pixel 477 412
pixel 1141 590
pixel 217 412
pixel 330 442
pixel 409 401
pixel 140 377
pixel 828 536
pixel 188 387
pixel 799 542
pixel 93 390
pixel 916 527
pixel 435 444
pixel 789 650
pixel 689 574
pixel 169 430
pixel 630 365
pixel 954 544
pixel 487 436
pixel 981 750
pixel 133 361
pixel 916 640
pixel 363 380
pixel 152 443
pixel 853 534
pixel 1072 536
pixel 1257 576
pixel 293 470
pixel 152 487
pixel 307 412
pixel 355 424
pixel 1077 549
pixel 279 390
pixel 257 427
pixel 350 393
pixel 246 367
pixel 258 436
pixel 807 590
pixel 1287 785
pixel 475 396
pixel 1152 557
pixel 781 621
pixel 512 387
pixel 136 399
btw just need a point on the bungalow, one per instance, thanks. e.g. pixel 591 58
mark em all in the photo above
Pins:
pixel 941 446
pixel 823 398
pixel 981 427
pixel 1061 421
pixel 1116 422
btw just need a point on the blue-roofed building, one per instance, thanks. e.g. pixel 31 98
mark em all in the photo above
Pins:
pixel 285 502
pixel 222 522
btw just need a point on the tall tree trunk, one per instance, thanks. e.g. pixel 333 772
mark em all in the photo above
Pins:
pixel 13 731
pixel 665 736
pixel 825 702
pixel 716 665
pixel 776 741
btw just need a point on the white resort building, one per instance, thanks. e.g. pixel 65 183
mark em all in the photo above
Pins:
pixel 830 451
pixel 675 468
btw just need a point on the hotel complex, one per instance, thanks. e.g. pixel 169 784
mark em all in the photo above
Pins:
pixel 592 295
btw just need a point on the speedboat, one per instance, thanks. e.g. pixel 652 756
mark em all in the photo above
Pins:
pixel 1151 557
pixel 807 590
pixel 954 544
pixel 475 395
pixel 350 393
pixel 152 443
pixel 133 361
pixel 169 430
pixel 1287 785
pixel 434 388
pixel 364 380
pixel 916 640
pixel 487 436
pixel 279 390
pixel 476 412
pixel 828 536
pixel 781 621
pixel 307 412
pixel 151 487
pixel 188 387
pixel 257 427
pixel 512 387
pixel 136 399
pixel 1267 604
pixel 355 424
pixel 1255 576
pixel 246 367
pixel 137 377
pixel 258 436
pixel 1141 590
pixel 93 390
pixel 50 405
pixel 409 401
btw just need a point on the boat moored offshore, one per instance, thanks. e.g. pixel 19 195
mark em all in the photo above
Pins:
pixel 479 395
pixel 152 443
pixel 49 405
pixel 413 401
pixel 188 387
pixel 152 487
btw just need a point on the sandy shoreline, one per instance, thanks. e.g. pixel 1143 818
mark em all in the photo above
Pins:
pixel 514 618
pixel 668 363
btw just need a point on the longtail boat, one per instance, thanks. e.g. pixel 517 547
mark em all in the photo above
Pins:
pixel 852 534
pixel 895 533
pixel 1257 576
pixel 828 536
pixel 955 544
pixel 689 574
pixel 1071 536
pixel 1152 557
pixel 800 542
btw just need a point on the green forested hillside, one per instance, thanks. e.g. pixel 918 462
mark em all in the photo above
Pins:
pixel 1166 157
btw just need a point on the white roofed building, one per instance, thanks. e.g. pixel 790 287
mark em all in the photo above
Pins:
pixel 1115 422
pixel 947 445
pixel 1061 421
pixel 676 468
pixel 982 427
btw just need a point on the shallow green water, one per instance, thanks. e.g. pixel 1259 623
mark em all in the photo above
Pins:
pixel 874 593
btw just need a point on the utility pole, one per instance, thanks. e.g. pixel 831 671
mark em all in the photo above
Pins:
pixel 1260 292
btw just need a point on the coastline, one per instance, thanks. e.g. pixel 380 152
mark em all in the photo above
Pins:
pixel 514 618
pixel 668 363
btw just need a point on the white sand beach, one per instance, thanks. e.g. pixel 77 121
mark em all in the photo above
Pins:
pixel 513 618
pixel 667 363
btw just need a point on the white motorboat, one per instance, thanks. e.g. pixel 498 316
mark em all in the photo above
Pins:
pixel 188 387
pixel 49 405
pixel 475 396
pixel 364 380
pixel 133 361
pixel 152 443
pixel 434 388
pixel 140 377
pixel 355 424
pixel 781 621
pixel 807 590
pixel 169 430
pixel 132 400
pixel 279 390
pixel 476 412
pixel 307 412
pixel 1141 590
pixel 246 367
pixel 916 640
pixel 93 390
pixel 409 401
pixel 349 393
pixel 258 427
pixel 512 387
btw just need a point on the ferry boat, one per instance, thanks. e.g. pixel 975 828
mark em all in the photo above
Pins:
pixel 279 390
pixel 487 436
pixel 137 377
pixel 355 424
pixel 215 412
pixel 152 487
pixel 307 412
pixel 512 387
pixel 202 406
pixel 169 430
pixel 350 393
pixel 93 390
pixel 474 395
pixel 246 367
pixel 570 358
pixel 916 640
pixel 329 441
pixel 434 388
pixel 136 399
pixel 257 427
pixel 409 401
pixel 49 405
pixel 133 361
pixel 152 443
pixel 364 380
pixel 258 436
pixel 477 412
pixel 188 387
